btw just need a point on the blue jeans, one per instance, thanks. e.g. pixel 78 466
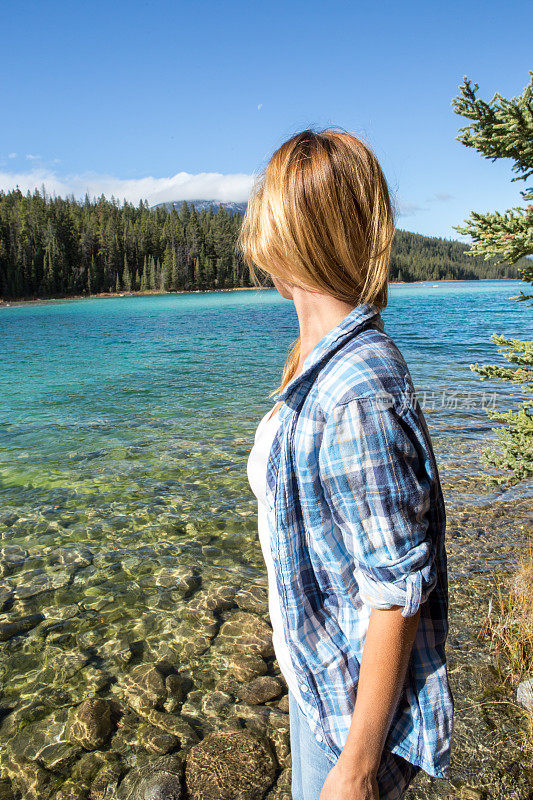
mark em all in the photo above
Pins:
pixel 310 765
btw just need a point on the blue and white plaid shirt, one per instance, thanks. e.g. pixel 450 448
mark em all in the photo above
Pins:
pixel 358 523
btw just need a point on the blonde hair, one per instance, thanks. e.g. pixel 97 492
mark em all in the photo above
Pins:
pixel 320 217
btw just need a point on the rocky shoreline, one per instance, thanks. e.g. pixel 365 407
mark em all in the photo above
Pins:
pixel 179 696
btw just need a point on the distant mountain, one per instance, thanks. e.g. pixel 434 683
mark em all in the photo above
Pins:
pixel 200 205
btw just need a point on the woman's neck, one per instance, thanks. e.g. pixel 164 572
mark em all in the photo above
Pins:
pixel 318 313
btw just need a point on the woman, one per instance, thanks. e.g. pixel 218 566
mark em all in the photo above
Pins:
pixel 351 514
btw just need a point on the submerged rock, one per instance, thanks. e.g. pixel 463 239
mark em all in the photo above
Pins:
pixel 215 599
pixel 14 627
pixel 72 790
pixel 90 725
pixel 32 782
pixel 11 556
pixel 283 703
pixel 180 579
pixel 145 688
pixel 44 742
pixel 174 687
pixel 174 725
pixel 106 781
pixel 155 780
pixel 6 791
pixel 252 598
pixel 260 690
pixel 61 613
pixel 74 557
pixel 246 632
pixel 157 741
pixel 40 582
pixel 114 650
pixel 6 595
pixel 8 518
pixel 282 789
pixel 246 666
pixel 216 704
pixel 229 765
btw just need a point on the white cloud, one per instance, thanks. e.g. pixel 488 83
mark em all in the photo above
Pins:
pixel 182 186
pixel 441 197
pixel 12 155
pixel 406 209
pixel 33 157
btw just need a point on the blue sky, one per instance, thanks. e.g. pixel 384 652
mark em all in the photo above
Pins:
pixel 169 100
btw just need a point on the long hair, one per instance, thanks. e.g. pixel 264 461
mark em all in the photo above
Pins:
pixel 320 217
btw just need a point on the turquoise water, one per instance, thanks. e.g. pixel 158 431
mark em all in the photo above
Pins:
pixel 125 425
pixel 125 399
pixel 138 381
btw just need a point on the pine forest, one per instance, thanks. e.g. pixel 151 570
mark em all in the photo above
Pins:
pixel 60 247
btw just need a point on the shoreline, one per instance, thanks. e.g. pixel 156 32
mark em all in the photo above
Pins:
pixel 40 301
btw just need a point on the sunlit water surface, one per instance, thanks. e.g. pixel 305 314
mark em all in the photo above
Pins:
pixel 125 426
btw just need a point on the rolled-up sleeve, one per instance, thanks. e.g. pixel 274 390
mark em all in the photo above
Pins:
pixel 373 475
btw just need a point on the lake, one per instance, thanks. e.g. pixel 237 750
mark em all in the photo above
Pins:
pixel 127 525
pixel 124 400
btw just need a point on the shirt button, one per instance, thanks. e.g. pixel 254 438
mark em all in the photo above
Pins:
pixel 319 737
pixel 303 687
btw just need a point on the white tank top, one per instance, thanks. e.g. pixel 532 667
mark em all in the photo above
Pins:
pixel 256 469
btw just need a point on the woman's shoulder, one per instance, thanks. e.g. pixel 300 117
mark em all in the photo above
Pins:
pixel 368 367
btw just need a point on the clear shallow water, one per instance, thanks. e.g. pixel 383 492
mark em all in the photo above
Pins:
pixel 125 425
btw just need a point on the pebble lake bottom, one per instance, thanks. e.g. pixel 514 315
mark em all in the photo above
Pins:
pixel 134 631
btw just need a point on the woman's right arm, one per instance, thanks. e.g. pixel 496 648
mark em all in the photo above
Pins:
pixel 379 494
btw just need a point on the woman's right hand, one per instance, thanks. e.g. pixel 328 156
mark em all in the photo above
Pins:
pixel 347 782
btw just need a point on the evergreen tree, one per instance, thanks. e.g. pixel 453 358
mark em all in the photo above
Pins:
pixel 126 276
pixel 92 276
pixel 197 273
pixel 166 273
pixel 152 274
pixel 48 271
pixel 160 277
pixel 144 276
pixel 175 281
pixel 503 128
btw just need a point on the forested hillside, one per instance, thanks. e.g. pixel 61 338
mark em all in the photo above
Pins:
pixel 422 258
pixel 51 247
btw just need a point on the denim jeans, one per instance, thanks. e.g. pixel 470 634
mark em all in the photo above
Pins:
pixel 310 765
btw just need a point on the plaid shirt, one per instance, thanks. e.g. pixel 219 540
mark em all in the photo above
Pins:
pixel 358 523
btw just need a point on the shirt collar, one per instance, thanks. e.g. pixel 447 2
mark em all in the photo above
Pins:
pixel 346 328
